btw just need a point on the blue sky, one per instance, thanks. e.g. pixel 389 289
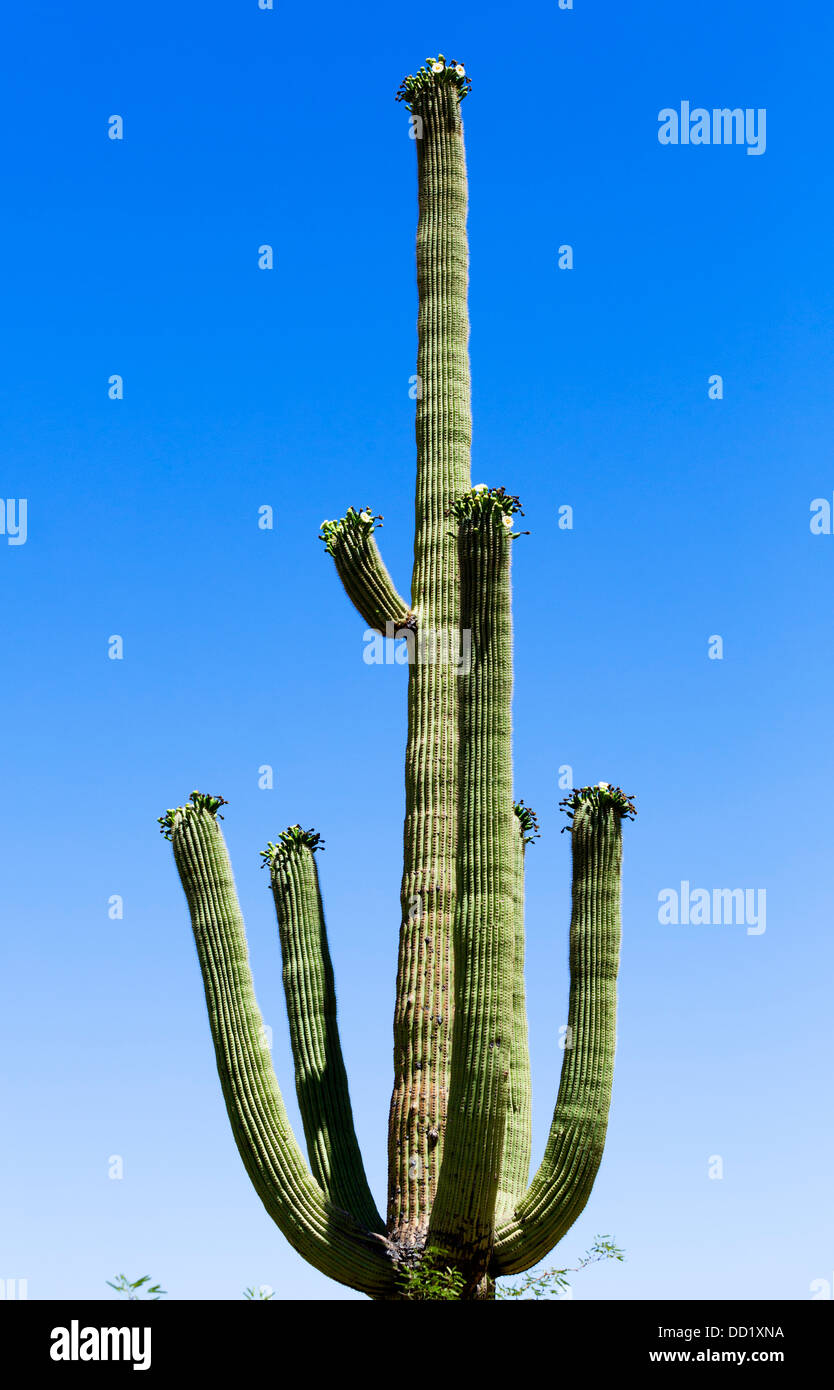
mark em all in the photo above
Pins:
pixel 290 388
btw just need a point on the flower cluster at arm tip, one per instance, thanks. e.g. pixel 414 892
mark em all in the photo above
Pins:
pixel 485 506
pixel 355 524
pixel 290 841
pixel 528 822
pixel 197 802
pixel 435 72
pixel 598 797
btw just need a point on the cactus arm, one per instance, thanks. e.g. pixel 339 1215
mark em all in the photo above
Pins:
pixel 562 1185
pixel 327 1237
pixel 320 1078
pixel 515 1163
pixel 443 425
pixel 462 1219
pixel 359 565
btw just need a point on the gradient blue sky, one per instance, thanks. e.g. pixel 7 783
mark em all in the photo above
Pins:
pixel 290 387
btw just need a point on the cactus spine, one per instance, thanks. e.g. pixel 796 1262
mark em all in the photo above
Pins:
pixel 459 1128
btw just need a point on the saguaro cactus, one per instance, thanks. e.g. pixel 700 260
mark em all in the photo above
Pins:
pixel 459 1133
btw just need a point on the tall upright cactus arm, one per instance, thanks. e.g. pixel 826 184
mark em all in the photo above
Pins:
pixel 366 581
pixel 463 1215
pixel 515 1163
pixel 327 1237
pixel 562 1185
pixel 320 1078
pixel 443 427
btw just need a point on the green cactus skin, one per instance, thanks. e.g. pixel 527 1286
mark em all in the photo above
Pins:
pixel 459 1142
pixel 562 1185
pixel 360 567
pixel 484 941
pixel 515 1163
pixel 425 986
pixel 320 1078
pixel 328 1237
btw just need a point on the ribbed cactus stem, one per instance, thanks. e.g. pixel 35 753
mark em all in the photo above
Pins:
pixel 328 1237
pixel 422 1022
pixel 563 1183
pixel 515 1163
pixel 484 940
pixel 321 1082
pixel 367 583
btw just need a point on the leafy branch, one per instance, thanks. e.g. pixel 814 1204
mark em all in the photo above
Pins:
pixel 551 1283
pixel 135 1290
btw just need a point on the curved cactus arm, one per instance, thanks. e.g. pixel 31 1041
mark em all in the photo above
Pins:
pixel 463 1214
pixel 327 1237
pixel 515 1162
pixel 320 1078
pixel 359 565
pixel 562 1185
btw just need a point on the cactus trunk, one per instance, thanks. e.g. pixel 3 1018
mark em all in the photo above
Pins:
pixel 463 1213
pixel 425 988
pixel 515 1162
pixel 460 1205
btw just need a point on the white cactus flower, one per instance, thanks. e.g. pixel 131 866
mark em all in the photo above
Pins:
pixel 603 786
pixel 438 67
pixel 460 69
pixel 480 487
pixel 366 516
pixel 508 522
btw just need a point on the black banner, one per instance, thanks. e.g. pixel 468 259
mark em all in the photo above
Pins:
pixel 89 1338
